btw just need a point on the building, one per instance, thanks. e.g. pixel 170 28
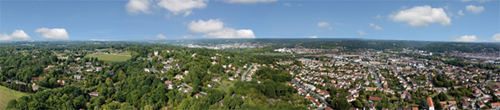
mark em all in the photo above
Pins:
pixel 430 103
pixel 77 76
pixel 94 94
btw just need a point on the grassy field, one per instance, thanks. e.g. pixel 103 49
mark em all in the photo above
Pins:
pixel 224 87
pixel 7 94
pixel 124 56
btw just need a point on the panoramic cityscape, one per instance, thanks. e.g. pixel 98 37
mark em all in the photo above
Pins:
pixel 249 54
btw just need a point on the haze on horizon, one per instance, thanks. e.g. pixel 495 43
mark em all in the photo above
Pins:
pixel 461 20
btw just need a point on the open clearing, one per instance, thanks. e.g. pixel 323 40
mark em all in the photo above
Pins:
pixel 7 94
pixel 123 56
pixel 224 87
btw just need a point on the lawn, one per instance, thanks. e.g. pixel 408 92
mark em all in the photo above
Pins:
pixel 223 85
pixel 7 94
pixel 124 56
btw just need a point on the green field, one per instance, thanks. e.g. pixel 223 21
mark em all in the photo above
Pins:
pixel 124 56
pixel 7 94
pixel 224 87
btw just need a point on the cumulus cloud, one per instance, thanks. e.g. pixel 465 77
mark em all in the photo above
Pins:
pixel 361 33
pixel 466 38
pixel 201 26
pixel 496 37
pixel 287 4
pixel 461 13
pixel 4 36
pixel 161 36
pixel 215 28
pixel 19 34
pixel 182 6
pixel 138 6
pixel 53 34
pixel 314 37
pixel 249 1
pixel 475 9
pixel 378 16
pixel 376 27
pixel 323 24
pixel 421 16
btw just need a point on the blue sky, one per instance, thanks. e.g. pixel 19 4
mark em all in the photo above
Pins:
pixel 177 19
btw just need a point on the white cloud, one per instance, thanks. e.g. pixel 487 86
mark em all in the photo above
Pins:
pixel 4 36
pixel 287 4
pixel 361 33
pixel 475 9
pixel 465 0
pixel 496 37
pixel 161 36
pixel 461 13
pixel 249 1
pixel 19 34
pixel 182 6
pixel 378 16
pixel 323 24
pixel 54 33
pixel 201 26
pixel 215 28
pixel 300 4
pixel 138 6
pixel 421 16
pixel 466 38
pixel 376 27
pixel 314 37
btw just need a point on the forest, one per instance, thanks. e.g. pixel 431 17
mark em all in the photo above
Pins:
pixel 125 85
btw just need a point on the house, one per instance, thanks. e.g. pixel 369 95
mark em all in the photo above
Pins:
pixel 370 89
pixel 481 104
pixel 495 105
pixel 197 96
pixel 350 99
pixel 34 87
pixel 94 94
pixel 77 76
pixel 89 70
pixel 179 76
pixel 465 104
pixel 430 103
pixel 216 79
pixel 231 78
pixel 210 85
pixel 378 99
pixel 98 68
pixel 170 84
pixel 34 79
pixel 146 69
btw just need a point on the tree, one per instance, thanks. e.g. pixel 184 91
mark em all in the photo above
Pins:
pixel 357 104
pixel 12 104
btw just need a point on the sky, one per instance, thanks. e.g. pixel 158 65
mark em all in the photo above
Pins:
pixel 425 20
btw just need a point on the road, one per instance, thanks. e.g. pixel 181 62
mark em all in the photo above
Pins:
pixel 245 73
pixel 376 77
pixel 315 95
pixel 401 75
